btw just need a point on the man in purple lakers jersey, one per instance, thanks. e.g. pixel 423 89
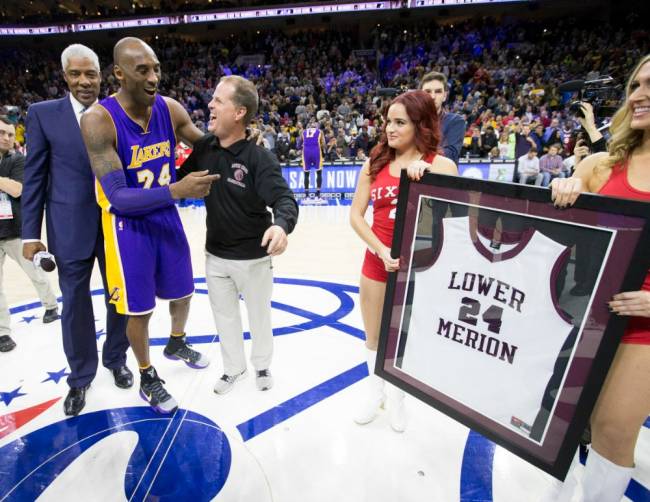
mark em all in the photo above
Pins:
pixel 313 145
pixel 130 138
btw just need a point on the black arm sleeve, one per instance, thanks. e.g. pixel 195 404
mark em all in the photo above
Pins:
pixel 599 146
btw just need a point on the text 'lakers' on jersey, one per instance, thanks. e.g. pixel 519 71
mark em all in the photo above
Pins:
pixel 485 327
pixel 147 155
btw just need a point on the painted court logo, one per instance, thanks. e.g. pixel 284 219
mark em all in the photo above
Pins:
pixel 118 444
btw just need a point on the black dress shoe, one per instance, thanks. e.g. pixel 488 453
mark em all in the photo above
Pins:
pixel 75 400
pixel 6 343
pixel 51 315
pixel 123 377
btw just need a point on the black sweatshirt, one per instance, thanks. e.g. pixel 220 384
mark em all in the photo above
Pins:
pixel 251 180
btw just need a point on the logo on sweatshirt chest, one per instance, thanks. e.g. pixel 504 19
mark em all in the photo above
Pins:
pixel 238 174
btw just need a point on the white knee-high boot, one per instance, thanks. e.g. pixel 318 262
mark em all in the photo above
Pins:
pixel 604 481
pixel 397 416
pixel 373 399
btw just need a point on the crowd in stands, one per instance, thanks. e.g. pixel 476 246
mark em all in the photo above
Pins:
pixel 503 78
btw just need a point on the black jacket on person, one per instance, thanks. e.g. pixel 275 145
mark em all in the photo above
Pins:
pixel 251 179
pixel 12 166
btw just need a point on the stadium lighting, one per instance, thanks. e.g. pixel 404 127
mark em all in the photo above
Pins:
pixel 231 14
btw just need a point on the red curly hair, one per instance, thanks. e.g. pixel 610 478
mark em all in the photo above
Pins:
pixel 421 109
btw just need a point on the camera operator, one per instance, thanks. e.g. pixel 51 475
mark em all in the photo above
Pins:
pixel 588 122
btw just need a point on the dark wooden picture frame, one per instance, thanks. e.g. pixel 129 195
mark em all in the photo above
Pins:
pixel 589 252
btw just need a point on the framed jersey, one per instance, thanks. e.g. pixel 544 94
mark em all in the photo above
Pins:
pixel 498 314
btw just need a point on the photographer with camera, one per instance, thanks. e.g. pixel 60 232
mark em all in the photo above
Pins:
pixel 597 142
pixel 624 402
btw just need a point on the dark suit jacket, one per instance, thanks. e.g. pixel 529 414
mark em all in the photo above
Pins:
pixel 58 175
pixel 452 127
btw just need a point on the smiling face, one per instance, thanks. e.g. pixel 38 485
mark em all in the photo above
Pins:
pixel 83 79
pixel 225 114
pixel 400 130
pixel 639 99
pixel 138 72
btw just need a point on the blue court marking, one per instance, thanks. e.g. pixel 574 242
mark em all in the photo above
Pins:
pixel 283 411
pixel 476 469
pixel 47 452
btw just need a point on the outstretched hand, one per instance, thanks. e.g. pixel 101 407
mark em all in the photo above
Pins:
pixel 195 185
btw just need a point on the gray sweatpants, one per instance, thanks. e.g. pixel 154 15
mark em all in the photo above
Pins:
pixel 14 249
pixel 226 279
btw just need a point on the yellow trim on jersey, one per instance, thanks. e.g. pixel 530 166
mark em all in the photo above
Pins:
pixel 171 121
pixel 114 273
pixel 100 196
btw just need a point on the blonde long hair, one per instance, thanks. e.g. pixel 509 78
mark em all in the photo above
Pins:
pixel 624 138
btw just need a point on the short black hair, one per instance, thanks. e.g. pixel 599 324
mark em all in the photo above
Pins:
pixel 5 120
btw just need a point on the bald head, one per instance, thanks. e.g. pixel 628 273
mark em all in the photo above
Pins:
pixel 137 69
pixel 129 47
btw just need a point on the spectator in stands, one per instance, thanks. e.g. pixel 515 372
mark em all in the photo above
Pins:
pixel 523 140
pixel 506 152
pixel 528 168
pixel 489 141
pixel 551 165
pixel 537 136
pixel 283 145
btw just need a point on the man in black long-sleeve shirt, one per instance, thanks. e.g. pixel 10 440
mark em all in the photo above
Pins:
pixel 242 236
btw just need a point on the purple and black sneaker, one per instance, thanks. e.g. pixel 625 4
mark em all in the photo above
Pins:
pixel 152 391
pixel 178 349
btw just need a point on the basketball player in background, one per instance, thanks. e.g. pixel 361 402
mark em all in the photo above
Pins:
pixel 130 138
pixel 409 141
pixel 313 146
pixel 624 402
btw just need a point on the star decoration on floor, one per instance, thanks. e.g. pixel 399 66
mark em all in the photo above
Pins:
pixel 29 318
pixel 55 376
pixel 7 397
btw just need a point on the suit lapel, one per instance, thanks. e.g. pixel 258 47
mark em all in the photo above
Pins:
pixel 72 127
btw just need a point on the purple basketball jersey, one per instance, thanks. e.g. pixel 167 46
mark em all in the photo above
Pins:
pixel 147 256
pixel 147 155
pixel 311 151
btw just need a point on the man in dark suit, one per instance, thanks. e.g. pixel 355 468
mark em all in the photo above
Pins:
pixel 452 125
pixel 58 176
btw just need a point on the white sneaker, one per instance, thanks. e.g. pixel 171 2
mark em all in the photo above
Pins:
pixel 263 379
pixel 226 382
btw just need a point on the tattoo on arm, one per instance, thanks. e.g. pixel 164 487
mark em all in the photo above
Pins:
pixel 98 135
